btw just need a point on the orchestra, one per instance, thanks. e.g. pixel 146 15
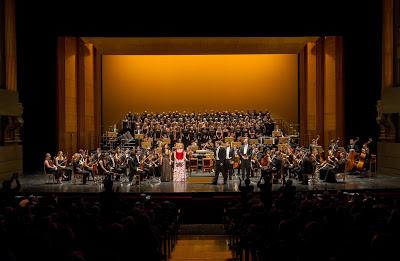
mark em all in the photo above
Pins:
pixel 242 145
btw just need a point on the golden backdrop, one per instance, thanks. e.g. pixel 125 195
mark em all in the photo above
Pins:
pixel 162 83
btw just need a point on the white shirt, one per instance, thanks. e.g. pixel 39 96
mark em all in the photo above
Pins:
pixel 217 152
pixel 245 149
pixel 227 152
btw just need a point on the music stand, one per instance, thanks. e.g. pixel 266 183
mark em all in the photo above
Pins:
pixel 128 136
pixel 276 134
pixel 238 144
pixel 166 141
pixel 145 145
pixel 139 136
pixel 253 141
pixel 228 139
pixel 283 140
pixel 269 141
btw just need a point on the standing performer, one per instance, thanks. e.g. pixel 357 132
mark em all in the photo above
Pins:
pixel 179 164
pixel 245 154
pixel 229 160
pixel 220 155
pixel 166 164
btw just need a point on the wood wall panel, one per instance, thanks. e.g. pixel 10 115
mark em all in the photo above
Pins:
pixel 320 83
pixel 61 92
pixel 89 96
pixel 387 44
pixel 97 95
pixel 311 91
pixel 303 95
pixel 340 99
pixel 10 45
pixel 329 89
pixel 81 143
pixel 2 48
pixel 67 94
pixel 78 95
pixel 71 127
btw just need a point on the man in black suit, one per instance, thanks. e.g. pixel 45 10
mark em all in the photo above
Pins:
pixel 308 168
pixel 228 161
pixel 353 146
pixel 245 156
pixel 220 155
pixel 134 163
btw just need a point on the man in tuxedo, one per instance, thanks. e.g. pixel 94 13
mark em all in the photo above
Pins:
pixel 245 157
pixel 229 160
pixel 353 146
pixel 220 155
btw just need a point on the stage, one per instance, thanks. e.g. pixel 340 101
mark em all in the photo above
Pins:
pixel 38 183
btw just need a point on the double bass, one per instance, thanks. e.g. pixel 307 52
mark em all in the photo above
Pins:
pixel 351 159
pixel 363 156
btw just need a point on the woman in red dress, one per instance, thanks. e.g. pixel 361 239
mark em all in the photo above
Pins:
pixel 179 164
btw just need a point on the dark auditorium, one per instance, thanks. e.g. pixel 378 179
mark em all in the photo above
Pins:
pixel 209 132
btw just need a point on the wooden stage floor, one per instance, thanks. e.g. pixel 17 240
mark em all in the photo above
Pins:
pixel 37 183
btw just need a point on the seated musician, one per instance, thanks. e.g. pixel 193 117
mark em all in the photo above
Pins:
pixel 307 168
pixel 88 162
pixel 77 165
pixel 134 164
pixel 115 166
pixel 291 166
pixel 49 165
pixel 337 167
pixel 352 145
pixel 61 163
pixel 157 164
pixel 103 166
pixel 255 160
pixel 149 165
pixel 327 165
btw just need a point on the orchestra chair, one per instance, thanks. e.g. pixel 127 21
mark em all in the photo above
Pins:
pixel 207 164
pixel 194 165
pixel 341 175
pixel 76 176
pixel 96 176
pixel 50 176
pixel 136 177
pixel 257 171
pixel 372 162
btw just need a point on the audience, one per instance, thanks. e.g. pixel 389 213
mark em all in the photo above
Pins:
pixel 307 226
pixel 111 228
